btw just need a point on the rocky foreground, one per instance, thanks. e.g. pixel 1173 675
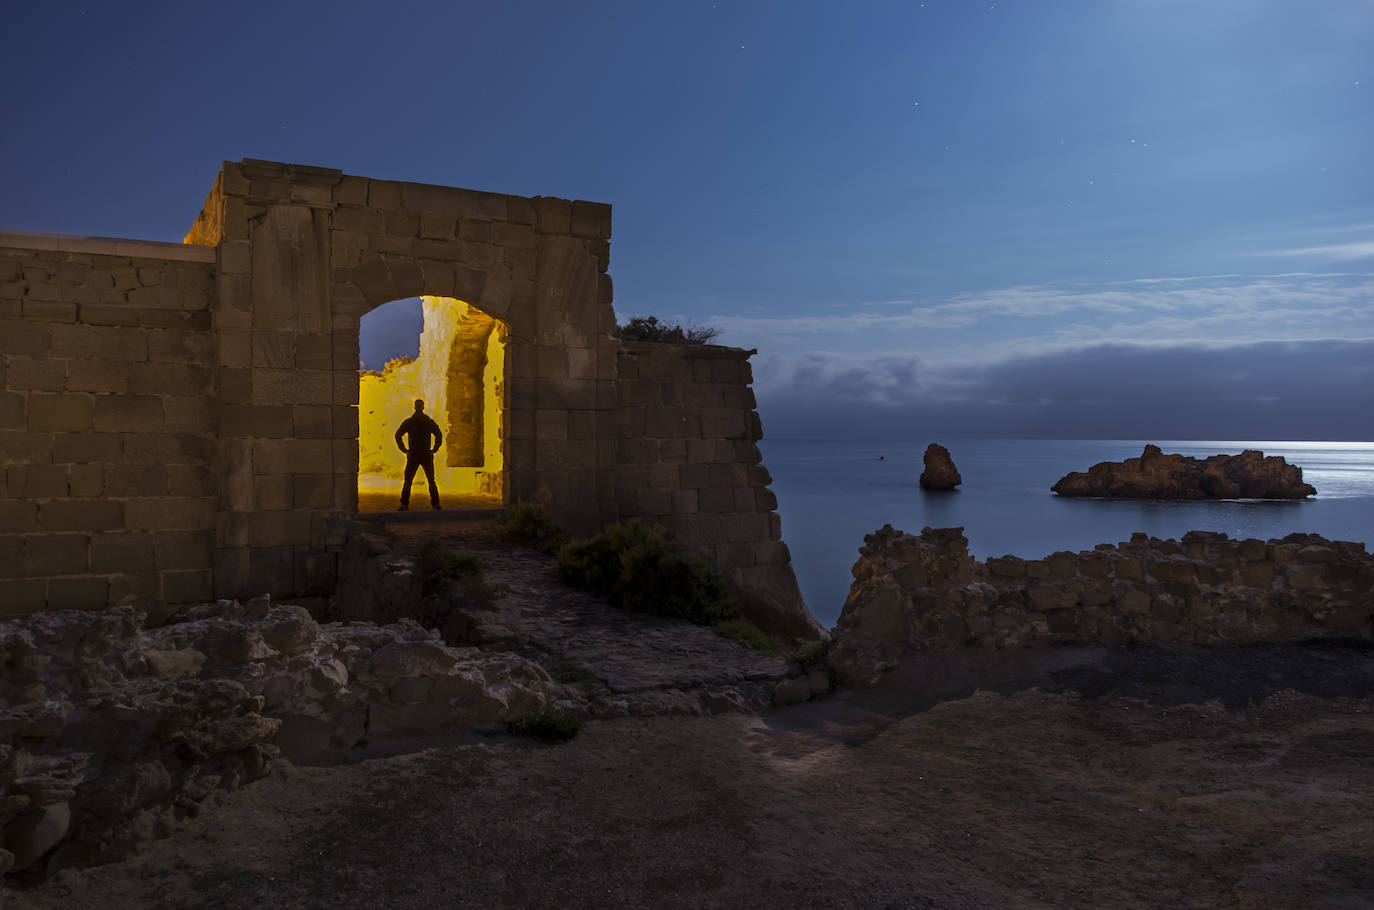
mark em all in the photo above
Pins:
pixel 116 726
pixel 1235 777
pixel 1154 475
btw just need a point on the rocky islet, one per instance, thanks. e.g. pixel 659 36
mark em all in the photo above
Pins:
pixel 1155 475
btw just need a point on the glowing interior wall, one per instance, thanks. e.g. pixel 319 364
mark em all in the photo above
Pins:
pixel 460 374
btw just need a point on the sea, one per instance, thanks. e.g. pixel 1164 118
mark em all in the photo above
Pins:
pixel 833 492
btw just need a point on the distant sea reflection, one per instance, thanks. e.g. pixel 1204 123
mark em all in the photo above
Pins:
pixel 832 493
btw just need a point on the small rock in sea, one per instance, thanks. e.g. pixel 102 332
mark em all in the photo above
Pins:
pixel 940 472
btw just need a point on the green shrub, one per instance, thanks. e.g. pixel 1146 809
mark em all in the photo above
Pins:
pixel 549 724
pixel 439 565
pixel 811 654
pixel 568 671
pixel 747 634
pixel 526 523
pixel 633 566
pixel 650 329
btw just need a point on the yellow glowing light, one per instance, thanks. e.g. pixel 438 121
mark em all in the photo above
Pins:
pixel 460 374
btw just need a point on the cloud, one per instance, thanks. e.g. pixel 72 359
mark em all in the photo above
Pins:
pixel 1273 390
pixel 1183 309
pixel 1340 252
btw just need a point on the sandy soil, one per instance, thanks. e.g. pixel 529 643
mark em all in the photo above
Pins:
pixel 1031 798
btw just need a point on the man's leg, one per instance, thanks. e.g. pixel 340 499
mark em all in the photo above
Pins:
pixel 433 487
pixel 405 488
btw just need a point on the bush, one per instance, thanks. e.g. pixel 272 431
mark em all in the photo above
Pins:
pixel 526 523
pixel 810 655
pixel 549 724
pixel 632 566
pixel 650 329
pixel 747 634
pixel 439 565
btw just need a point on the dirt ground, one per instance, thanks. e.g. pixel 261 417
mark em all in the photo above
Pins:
pixel 1152 777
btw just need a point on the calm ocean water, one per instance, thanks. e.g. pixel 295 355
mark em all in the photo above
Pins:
pixel 830 494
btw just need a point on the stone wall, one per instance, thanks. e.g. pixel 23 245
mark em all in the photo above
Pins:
pixel 688 459
pixel 922 594
pixel 181 420
pixel 107 422
pixel 303 253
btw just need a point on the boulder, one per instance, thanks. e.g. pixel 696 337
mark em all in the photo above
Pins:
pixel 1154 475
pixel 940 472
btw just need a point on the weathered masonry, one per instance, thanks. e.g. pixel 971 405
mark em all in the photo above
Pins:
pixel 180 421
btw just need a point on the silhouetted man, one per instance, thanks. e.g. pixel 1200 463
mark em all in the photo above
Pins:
pixel 417 430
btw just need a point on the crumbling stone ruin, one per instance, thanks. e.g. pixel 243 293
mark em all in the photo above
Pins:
pixel 921 594
pixel 180 422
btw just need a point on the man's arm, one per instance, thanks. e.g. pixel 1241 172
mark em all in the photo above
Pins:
pixel 438 437
pixel 401 445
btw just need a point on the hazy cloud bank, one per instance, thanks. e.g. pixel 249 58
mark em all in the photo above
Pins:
pixel 1272 390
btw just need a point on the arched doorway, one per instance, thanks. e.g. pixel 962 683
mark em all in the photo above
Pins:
pixel 459 370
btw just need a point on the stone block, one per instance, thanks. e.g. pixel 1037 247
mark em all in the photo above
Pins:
pixel 11 556
pixel 37 481
pixel 270 569
pixel 12 410
pixel 272 491
pixel 27 338
pixel 89 342
pixel 32 373
pixel 86 593
pixel 169 513
pixel 181 346
pixel 312 491
pixel 550 424
pixel 18 516
pixel 351 191
pixel 344 389
pixel 582 424
pixel 129 480
pixel 315 352
pixel 121 552
pixel 23 447
pixel 552 216
pixel 56 554
pixel 59 412
pixel 183 549
pixel 292 386
pixel 85 481
pixel 77 515
pixel 591 219
pixel 50 310
pixel 188 413
pixel 98 375
pixel 716 499
pixel 283 528
pixel 127 413
pixel 504 233
pixel 313 421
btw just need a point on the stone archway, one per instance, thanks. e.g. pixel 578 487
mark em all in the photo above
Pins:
pixel 460 372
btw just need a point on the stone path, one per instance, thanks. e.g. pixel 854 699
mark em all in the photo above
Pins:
pixel 638 664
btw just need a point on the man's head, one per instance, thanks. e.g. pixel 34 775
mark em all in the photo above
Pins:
pixel 419 406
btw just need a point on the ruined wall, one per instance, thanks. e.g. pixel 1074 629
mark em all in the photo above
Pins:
pixel 107 422
pixel 918 594
pixel 688 459
pixel 180 421
pixel 302 254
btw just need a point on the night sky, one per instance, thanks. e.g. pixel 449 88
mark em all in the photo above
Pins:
pixel 1060 218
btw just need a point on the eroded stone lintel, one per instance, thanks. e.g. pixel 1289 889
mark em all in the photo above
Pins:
pixel 106 246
